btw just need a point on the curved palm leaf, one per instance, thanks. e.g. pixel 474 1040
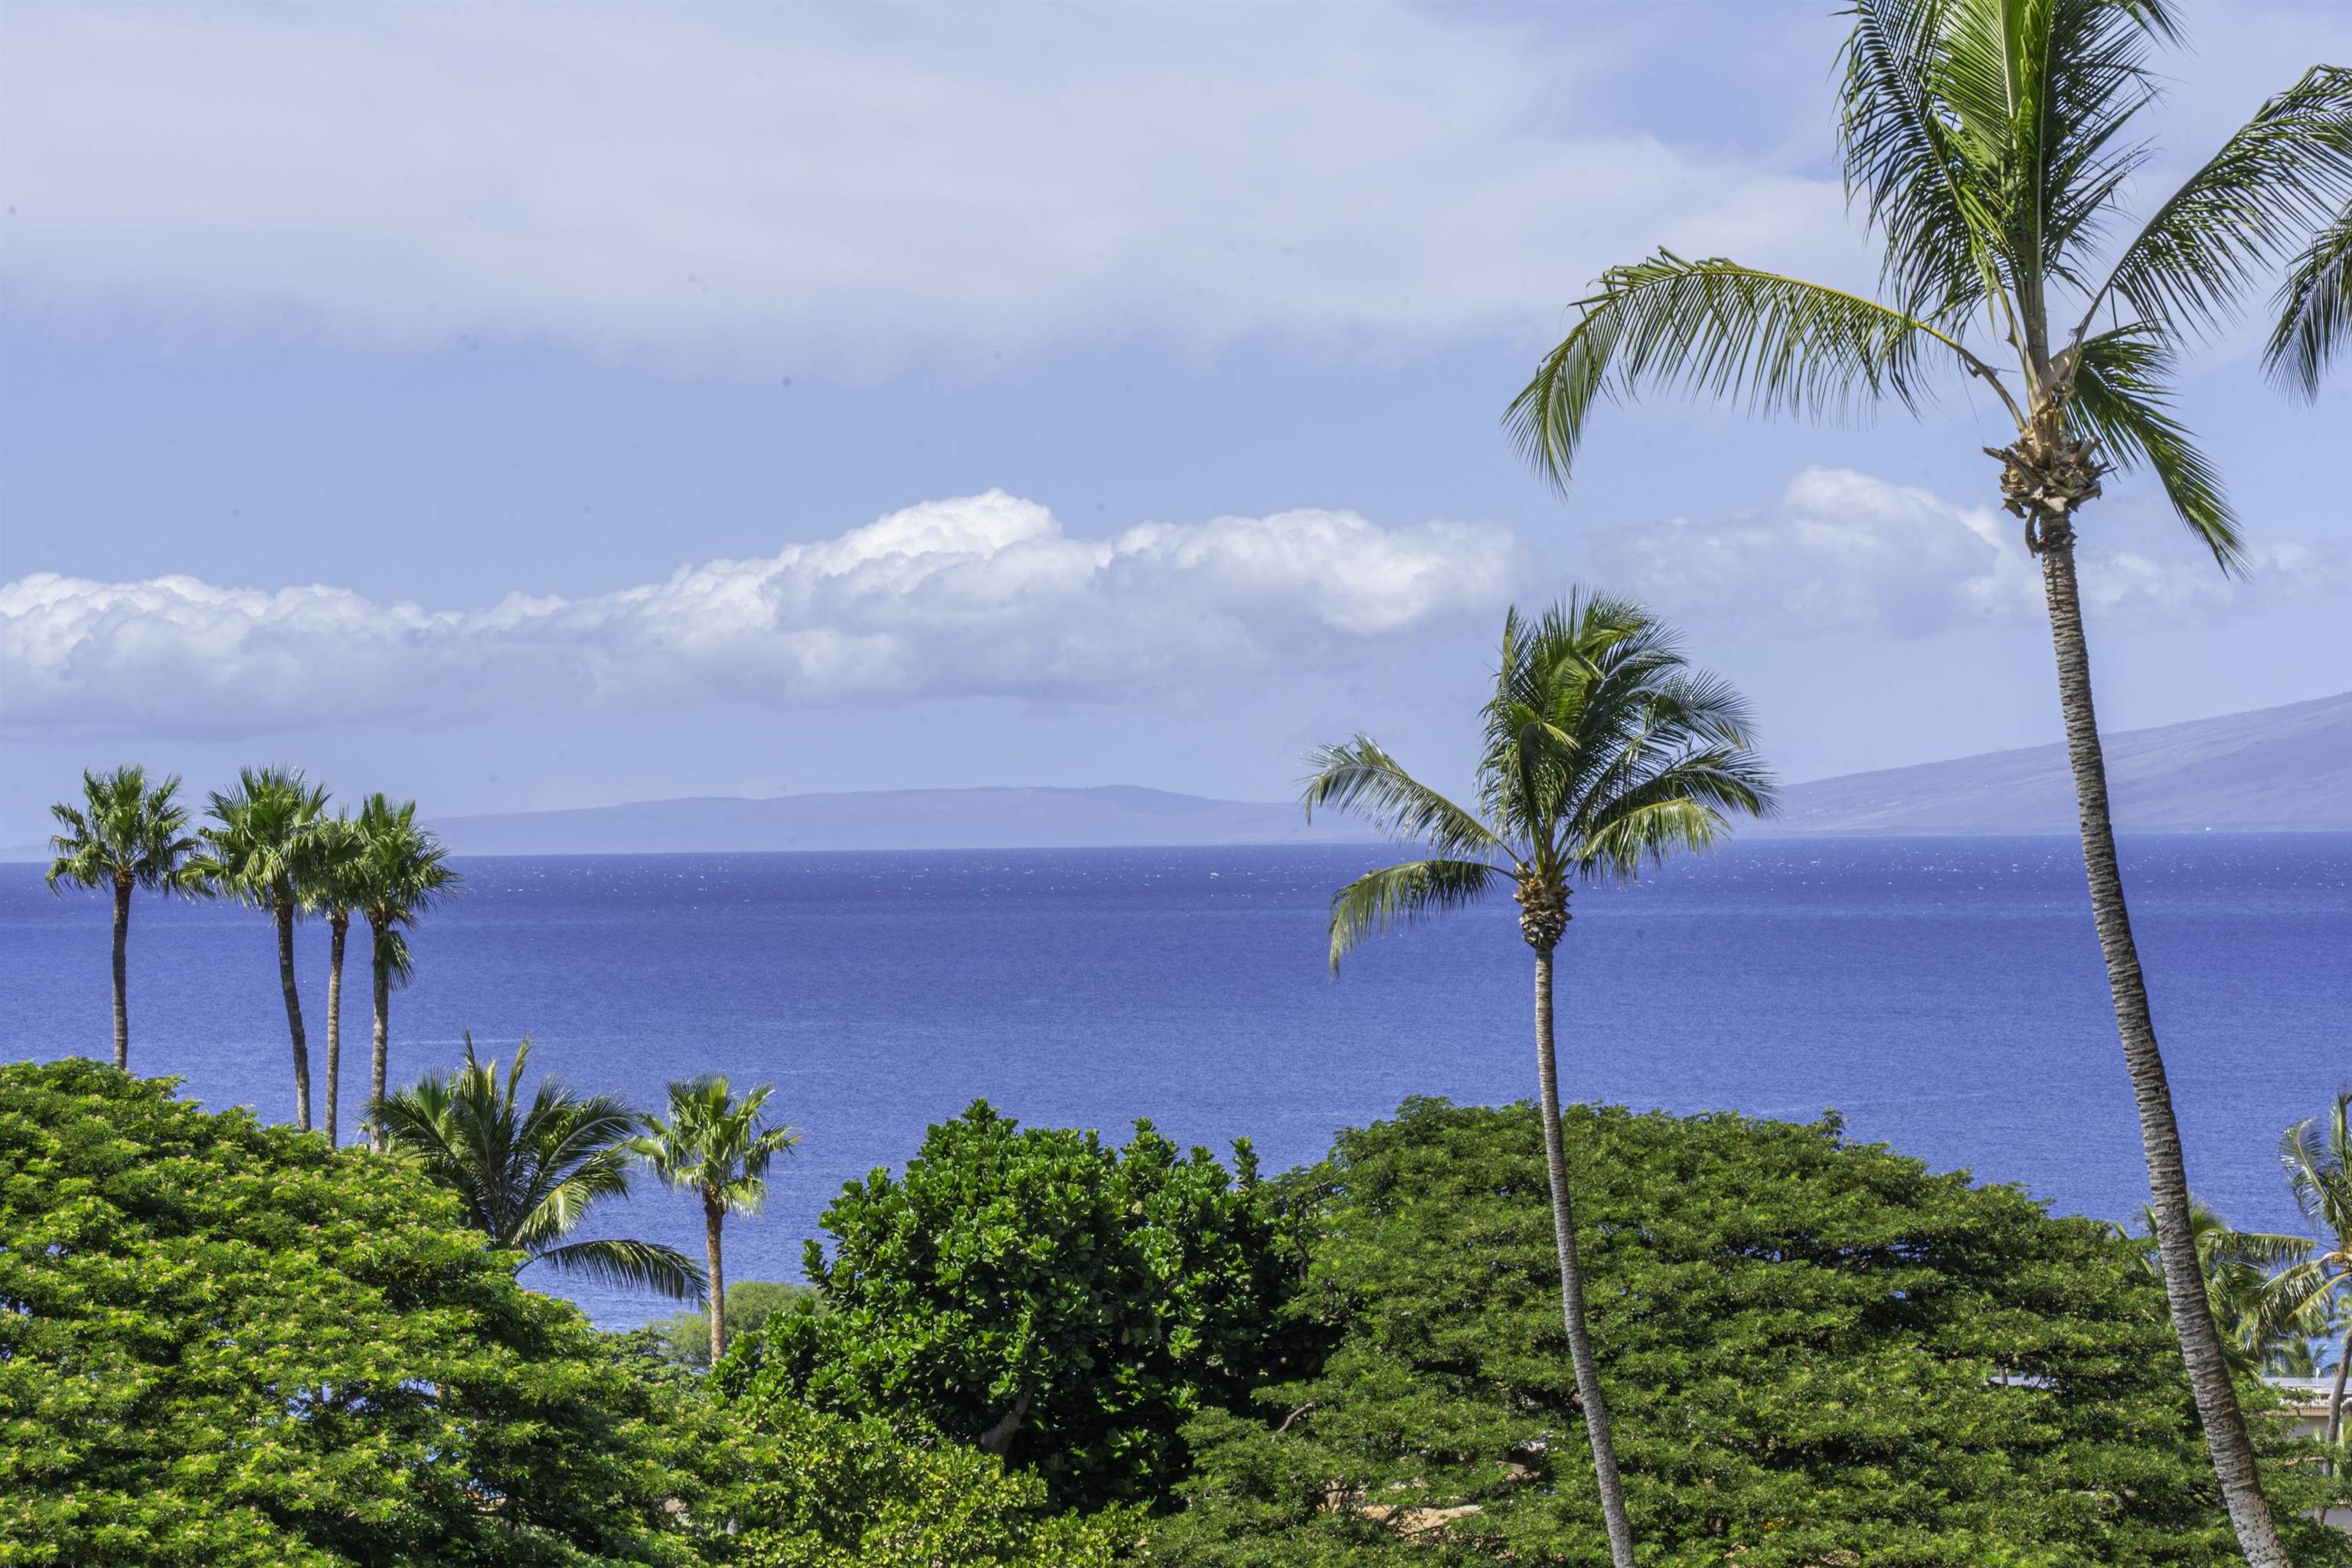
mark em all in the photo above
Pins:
pixel 1359 776
pixel 2121 394
pixel 632 1265
pixel 1398 896
pixel 2314 309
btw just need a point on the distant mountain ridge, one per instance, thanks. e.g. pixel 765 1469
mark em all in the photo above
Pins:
pixel 2275 768
pixel 2271 769
pixel 1107 816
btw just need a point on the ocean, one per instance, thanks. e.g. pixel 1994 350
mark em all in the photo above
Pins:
pixel 1945 994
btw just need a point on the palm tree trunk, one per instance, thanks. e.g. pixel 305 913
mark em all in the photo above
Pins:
pixel 294 1018
pixel 1572 1282
pixel 122 974
pixel 338 929
pixel 381 1046
pixel 2168 1177
pixel 2335 1395
pixel 712 1215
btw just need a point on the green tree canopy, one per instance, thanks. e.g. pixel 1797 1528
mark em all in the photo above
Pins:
pixel 1816 1352
pixel 224 1344
pixel 1041 1295
pixel 686 1338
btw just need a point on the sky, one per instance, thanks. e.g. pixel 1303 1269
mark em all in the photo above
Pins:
pixel 532 405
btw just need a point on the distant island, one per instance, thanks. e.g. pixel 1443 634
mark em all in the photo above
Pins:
pixel 2275 768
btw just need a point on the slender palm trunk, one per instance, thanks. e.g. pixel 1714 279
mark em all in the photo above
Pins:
pixel 285 912
pixel 338 928
pixel 2335 1395
pixel 380 1047
pixel 712 1215
pixel 1572 1282
pixel 2167 1178
pixel 122 972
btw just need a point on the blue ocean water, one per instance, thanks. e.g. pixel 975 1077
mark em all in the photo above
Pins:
pixel 1945 994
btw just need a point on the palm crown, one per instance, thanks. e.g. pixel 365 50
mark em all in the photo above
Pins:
pixel 528 1171
pixel 2316 1154
pixel 125 833
pixel 715 1145
pixel 1602 748
pixel 399 871
pixel 1989 141
pixel 260 848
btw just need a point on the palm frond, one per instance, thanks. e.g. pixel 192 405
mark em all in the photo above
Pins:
pixel 1358 776
pixel 2122 394
pixel 1398 896
pixel 2284 173
pixel 2314 307
pixel 634 1265
pixel 1712 327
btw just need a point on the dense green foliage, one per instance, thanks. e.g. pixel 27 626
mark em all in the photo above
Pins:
pixel 1041 1295
pixel 225 1345
pixel 686 1338
pixel 1815 1353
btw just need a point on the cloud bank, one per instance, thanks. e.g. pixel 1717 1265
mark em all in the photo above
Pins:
pixel 1843 551
pixel 774 187
pixel 982 595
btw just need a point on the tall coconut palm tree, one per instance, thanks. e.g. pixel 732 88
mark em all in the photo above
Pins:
pixel 1990 143
pixel 2314 307
pixel 328 879
pixel 528 1171
pixel 718 1148
pixel 401 871
pixel 1604 750
pixel 2317 1156
pixel 126 834
pixel 254 853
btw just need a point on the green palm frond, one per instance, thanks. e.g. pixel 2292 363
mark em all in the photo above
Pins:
pixel 254 851
pixel 126 830
pixel 713 1144
pixel 2316 1154
pixel 1358 776
pixel 526 1170
pixel 2284 173
pixel 2314 307
pixel 1398 896
pixel 2122 394
pixel 1715 328
pixel 634 1265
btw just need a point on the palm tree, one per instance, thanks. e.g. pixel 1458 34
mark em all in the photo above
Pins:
pixel 528 1172
pixel 402 870
pixel 1990 141
pixel 2318 1154
pixel 330 883
pixel 2314 309
pixel 1603 749
pixel 2259 1323
pixel 718 1148
pixel 254 854
pixel 124 835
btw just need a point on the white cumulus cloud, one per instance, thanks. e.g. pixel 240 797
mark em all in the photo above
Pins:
pixel 975 596
pixel 1843 551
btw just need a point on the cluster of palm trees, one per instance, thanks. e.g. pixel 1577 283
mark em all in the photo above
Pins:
pixel 2273 1295
pixel 528 1170
pixel 271 845
pixel 1991 144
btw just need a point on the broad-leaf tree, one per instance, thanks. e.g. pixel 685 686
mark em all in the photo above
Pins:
pixel 718 1148
pixel 254 852
pixel 1823 1354
pixel 1043 1294
pixel 402 872
pixel 227 1346
pixel 125 834
pixel 529 1169
pixel 1604 750
pixel 2317 1156
pixel 1989 143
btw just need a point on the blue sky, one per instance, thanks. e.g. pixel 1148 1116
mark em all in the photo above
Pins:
pixel 524 406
